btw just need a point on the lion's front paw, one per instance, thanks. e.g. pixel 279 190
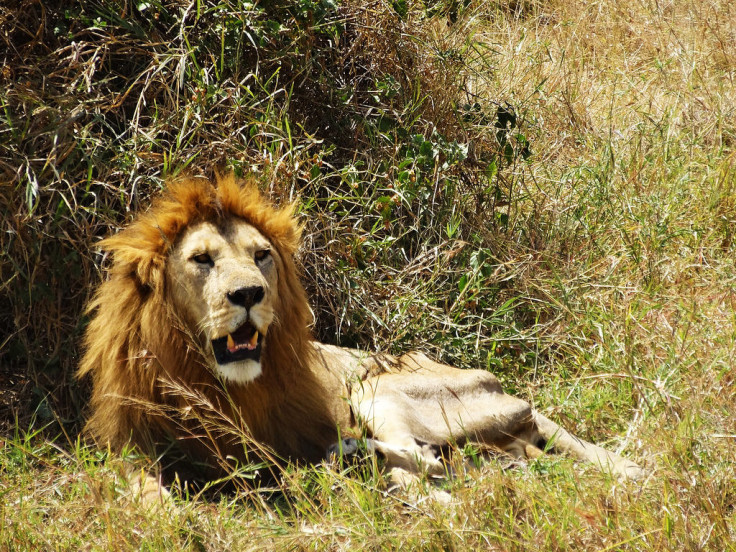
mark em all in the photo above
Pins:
pixel 349 449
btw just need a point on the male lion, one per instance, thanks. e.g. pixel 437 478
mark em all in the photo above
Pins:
pixel 200 338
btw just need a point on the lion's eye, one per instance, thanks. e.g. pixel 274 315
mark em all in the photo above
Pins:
pixel 262 255
pixel 203 259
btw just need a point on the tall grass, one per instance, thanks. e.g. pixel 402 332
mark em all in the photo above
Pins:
pixel 542 189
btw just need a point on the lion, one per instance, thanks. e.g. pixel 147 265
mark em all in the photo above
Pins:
pixel 199 342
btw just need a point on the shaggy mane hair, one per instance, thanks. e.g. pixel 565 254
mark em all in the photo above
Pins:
pixel 150 382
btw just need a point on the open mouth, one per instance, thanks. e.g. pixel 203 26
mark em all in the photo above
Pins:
pixel 243 344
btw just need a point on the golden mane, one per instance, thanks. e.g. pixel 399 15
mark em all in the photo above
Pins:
pixel 151 385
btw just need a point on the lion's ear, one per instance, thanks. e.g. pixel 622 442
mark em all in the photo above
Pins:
pixel 134 257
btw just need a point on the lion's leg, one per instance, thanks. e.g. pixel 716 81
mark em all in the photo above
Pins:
pixel 410 455
pixel 404 466
pixel 565 442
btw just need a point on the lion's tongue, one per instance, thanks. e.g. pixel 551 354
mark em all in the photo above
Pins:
pixel 242 338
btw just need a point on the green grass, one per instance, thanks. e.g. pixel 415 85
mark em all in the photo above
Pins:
pixel 544 190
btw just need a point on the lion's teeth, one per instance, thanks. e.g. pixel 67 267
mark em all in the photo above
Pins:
pixel 254 340
pixel 230 343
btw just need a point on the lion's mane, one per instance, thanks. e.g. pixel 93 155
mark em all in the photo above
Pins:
pixel 150 383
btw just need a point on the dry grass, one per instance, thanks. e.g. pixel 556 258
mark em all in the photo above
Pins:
pixel 595 277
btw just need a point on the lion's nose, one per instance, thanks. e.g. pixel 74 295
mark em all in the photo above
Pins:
pixel 246 297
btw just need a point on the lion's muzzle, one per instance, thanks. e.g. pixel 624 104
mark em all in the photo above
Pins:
pixel 242 344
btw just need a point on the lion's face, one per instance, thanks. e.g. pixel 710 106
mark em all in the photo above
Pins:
pixel 223 284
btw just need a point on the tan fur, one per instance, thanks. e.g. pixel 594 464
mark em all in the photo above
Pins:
pixel 155 380
pixel 140 357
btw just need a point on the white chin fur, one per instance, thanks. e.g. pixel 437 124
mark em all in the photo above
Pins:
pixel 242 371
